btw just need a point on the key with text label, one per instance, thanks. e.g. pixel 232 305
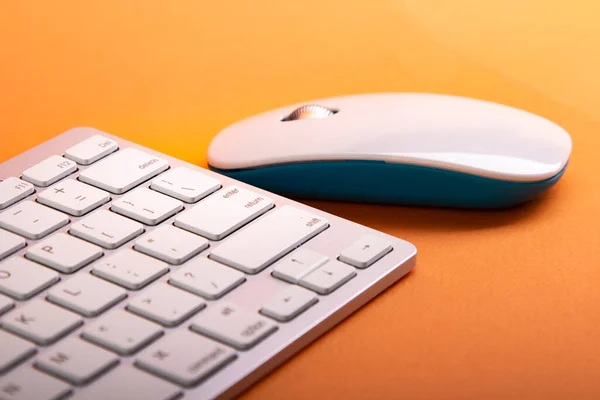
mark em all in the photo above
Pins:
pixel 185 357
pixel 91 150
pixel 12 190
pixel 123 170
pixel 233 325
pixel 52 169
pixel 224 212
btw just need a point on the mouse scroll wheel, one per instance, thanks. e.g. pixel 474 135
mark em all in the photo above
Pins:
pixel 310 111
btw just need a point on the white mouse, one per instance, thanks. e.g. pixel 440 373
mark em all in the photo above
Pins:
pixel 396 148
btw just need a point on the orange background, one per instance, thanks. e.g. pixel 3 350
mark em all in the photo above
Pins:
pixel 502 304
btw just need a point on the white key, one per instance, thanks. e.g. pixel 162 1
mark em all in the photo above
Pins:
pixel 185 184
pixel 130 269
pixel 185 357
pixel 13 350
pixel 21 278
pixel 31 384
pixel 32 220
pixel 91 149
pixel 106 229
pixel 224 212
pixel 289 303
pixel 41 322
pixel 235 326
pixel 365 251
pixel 86 295
pixel 207 278
pixel 328 277
pixel 9 243
pixel 296 265
pixel 123 170
pixel 122 332
pixel 165 304
pixel 269 238
pixel 73 197
pixel 6 303
pixel 76 361
pixel 128 383
pixel 12 190
pixel 51 170
pixel 171 244
pixel 64 253
pixel 147 206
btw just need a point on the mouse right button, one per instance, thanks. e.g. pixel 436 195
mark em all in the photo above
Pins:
pixel 365 251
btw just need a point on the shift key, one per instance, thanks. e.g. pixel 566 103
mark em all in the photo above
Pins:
pixel 123 170
pixel 268 239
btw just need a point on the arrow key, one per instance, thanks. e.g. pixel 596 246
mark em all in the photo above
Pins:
pixel 364 252
pixel 298 264
pixel 328 277
pixel 289 303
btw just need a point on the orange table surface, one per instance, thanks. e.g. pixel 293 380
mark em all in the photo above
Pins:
pixel 502 304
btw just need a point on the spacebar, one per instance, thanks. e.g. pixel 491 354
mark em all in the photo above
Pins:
pixel 257 246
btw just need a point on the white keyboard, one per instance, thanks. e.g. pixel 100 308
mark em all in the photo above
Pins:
pixel 129 274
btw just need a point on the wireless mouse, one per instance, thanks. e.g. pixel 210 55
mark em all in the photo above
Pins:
pixel 416 149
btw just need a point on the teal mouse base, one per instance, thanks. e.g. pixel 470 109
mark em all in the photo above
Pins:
pixel 385 183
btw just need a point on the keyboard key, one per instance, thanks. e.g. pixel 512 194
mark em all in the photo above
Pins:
pixel 185 184
pixel 122 332
pixel 9 243
pixel 31 384
pixel 224 212
pixel 365 251
pixel 147 206
pixel 76 361
pixel 328 277
pixel 128 383
pixel 64 253
pixel 6 303
pixel 32 220
pixel 86 295
pixel 13 350
pixel 123 170
pixel 91 149
pixel 298 264
pixel 232 325
pixel 12 190
pixel 73 197
pixel 207 278
pixel 185 357
pixel 21 278
pixel 269 238
pixel 106 229
pixel 171 244
pixel 289 303
pixel 41 322
pixel 166 305
pixel 51 170
pixel 130 269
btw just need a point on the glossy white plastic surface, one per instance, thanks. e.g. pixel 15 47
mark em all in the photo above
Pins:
pixel 432 130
